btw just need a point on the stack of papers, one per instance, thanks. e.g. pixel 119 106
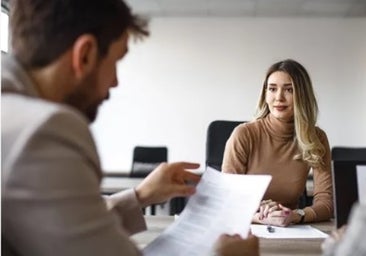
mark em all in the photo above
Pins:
pixel 294 231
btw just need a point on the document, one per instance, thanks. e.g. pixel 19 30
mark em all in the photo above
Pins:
pixel 223 203
pixel 361 183
pixel 294 231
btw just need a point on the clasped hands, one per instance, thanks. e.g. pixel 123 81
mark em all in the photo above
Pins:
pixel 273 213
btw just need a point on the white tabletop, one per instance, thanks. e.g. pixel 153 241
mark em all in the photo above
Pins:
pixel 268 247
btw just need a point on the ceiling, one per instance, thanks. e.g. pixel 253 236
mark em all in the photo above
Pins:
pixel 250 8
pixel 246 8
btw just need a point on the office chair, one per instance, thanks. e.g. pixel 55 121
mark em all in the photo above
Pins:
pixel 348 154
pixel 218 133
pixel 344 178
pixel 146 159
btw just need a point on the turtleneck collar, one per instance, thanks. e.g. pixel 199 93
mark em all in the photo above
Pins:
pixel 283 130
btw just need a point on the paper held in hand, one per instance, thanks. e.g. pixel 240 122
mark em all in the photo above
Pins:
pixel 223 203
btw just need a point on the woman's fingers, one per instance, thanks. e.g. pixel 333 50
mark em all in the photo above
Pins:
pixel 267 207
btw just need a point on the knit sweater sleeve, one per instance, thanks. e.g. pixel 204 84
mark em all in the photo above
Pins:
pixel 322 207
pixel 236 151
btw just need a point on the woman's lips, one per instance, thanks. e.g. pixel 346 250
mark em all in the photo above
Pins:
pixel 280 108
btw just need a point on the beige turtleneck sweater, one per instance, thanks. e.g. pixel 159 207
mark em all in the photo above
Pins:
pixel 267 146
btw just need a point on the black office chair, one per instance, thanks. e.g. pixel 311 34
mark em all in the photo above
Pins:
pixel 349 154
pixel 146 159
pixel 218 133
pixel 344 175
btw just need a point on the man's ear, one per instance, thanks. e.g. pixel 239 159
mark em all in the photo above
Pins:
pixel 84 55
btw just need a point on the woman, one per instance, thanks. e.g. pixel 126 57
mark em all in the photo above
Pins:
pixel 284 142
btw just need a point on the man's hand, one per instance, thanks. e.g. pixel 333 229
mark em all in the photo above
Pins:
pixel 234 245
pixel 167 181
pixel 331 241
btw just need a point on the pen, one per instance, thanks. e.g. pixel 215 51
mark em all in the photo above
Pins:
pixel 270 229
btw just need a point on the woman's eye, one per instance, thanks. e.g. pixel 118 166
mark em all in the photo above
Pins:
pixel 271 89
pixel 290 90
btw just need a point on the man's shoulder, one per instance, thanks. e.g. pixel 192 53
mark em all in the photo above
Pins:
pixel 18 110
pixel 24 118
pixel 31 123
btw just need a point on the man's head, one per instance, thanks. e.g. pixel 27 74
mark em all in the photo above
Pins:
pixel 43 30
pixel 91 35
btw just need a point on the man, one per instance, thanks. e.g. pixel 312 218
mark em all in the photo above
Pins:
pixel 62 65
pixel 349 239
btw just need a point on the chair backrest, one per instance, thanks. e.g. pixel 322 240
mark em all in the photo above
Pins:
pixel 344 175
pixel 146 159
pixel 348 154
pixel 218 133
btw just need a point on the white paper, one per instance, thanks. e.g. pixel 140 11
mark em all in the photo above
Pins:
pixel 294 231
pixel 361 183
pixel 223 203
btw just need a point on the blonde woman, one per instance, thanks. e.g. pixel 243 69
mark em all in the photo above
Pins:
pixel 284 142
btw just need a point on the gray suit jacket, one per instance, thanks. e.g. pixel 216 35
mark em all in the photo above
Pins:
pixel 51 202
pixel 353 241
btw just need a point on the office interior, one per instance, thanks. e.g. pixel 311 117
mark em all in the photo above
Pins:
pixel 206 61
pixel 197 67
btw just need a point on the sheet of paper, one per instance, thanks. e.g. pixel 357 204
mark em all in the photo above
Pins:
pixel 361 183
pixel 294 231
pixel 223 203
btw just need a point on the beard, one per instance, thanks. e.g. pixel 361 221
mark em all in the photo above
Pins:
pixel 84 98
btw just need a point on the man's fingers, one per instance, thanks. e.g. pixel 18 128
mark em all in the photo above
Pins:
pixel 188 165
pixel 192 177
pixel 184 190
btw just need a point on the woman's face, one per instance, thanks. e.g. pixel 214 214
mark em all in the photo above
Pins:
pixel 279 96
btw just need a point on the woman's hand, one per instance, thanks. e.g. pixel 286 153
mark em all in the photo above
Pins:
pixel 273 213
pixel 266 207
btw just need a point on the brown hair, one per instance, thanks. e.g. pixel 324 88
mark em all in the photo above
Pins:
pixel 42 30
pixel 305 110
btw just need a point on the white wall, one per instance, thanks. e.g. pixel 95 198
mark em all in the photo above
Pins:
pixel 191 71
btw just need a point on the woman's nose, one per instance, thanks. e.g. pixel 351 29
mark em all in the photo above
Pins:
pixel 280 94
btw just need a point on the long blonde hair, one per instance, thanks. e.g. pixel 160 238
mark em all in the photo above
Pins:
pixel 305 111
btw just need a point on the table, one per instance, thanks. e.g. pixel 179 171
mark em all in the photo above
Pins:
pixel 115 184
pixel 302 247
pixel 268 247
